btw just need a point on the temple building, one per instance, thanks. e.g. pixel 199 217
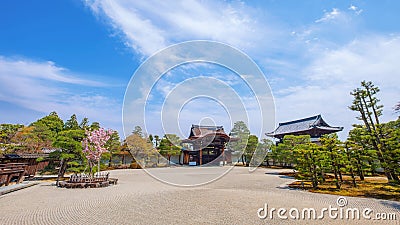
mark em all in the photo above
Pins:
pixel 206 145
pixel 314 126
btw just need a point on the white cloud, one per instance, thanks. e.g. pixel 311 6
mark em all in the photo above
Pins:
pixel 333 74
pixel 45 87
pixel 328 55
pixel 43 70
pixel 355 9
pixel 367 58
pixel 148 26
pixel 329 15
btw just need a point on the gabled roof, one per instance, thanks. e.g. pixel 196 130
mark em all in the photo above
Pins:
pixel 200 131
pixel 312 125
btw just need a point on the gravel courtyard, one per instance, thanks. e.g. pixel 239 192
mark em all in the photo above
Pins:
pixel 140 199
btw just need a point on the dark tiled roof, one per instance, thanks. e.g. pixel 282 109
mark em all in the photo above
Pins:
pixel 12 156
pixel 26 156
pixel 304 126
pixel 200 131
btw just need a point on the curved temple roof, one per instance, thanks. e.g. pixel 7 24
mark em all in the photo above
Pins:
pixel 198 131
pixel 312 126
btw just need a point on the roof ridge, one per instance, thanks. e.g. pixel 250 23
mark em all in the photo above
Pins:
pixel 206 126
pixel 316 117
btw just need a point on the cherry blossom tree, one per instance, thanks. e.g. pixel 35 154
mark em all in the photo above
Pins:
pixel 94 145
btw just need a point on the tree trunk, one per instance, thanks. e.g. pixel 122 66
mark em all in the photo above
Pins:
pixel 340 174
pixel 90 167
pixel 315 176
pixel 359 168
pixel 334 167
pixel 61 171
pixel 98 166
pixel 353 178
pixel 376 139
pixel 109 161
pixel 336 176
pixel 323 176
pixel 394 176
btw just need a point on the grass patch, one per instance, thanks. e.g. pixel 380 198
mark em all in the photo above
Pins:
pixel 371 187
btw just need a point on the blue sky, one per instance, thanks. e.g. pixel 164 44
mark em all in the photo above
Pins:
pixel 78 56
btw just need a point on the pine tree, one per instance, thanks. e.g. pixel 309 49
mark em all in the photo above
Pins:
pixel 331 147
pixel 72 123
pixel 366 103
pixel 241 132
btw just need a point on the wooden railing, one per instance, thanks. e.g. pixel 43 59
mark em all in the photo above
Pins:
pixel 83 178
pixel 11 170
pixel 84 181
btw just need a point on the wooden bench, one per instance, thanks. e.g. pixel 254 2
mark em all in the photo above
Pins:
pixel 11 170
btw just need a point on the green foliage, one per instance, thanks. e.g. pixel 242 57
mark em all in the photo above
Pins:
pixel 138 131
pixel 140 148
pixel 168 146
pixel 95 126
pixel 391 141
pixel 72 123
pixel 84 125
pixel 40 159
pixel 358 142
pixel 265 147
pixel 51 122
pixel 34 138
pixel 8 131
pixel 113 144
pixel 377 135
pixel 69 141
pixel 114 147
pixel 333 156
pixel 241 133
pixel 251 147
pixel 307 157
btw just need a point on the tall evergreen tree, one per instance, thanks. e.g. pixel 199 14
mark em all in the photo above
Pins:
pixel 241 132
pixel 307 155
pixel 332 148
pixel 84 125
pixel 138 131
pixel 265 146
pixel 251 147
pixel 168 146
pixel 69 141
pixel 72 123
pixel 367 105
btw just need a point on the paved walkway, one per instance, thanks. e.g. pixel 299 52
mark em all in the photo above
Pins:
pixel 140 199
pixel 15 187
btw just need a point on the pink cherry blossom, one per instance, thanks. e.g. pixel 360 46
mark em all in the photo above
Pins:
pixel 94 144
